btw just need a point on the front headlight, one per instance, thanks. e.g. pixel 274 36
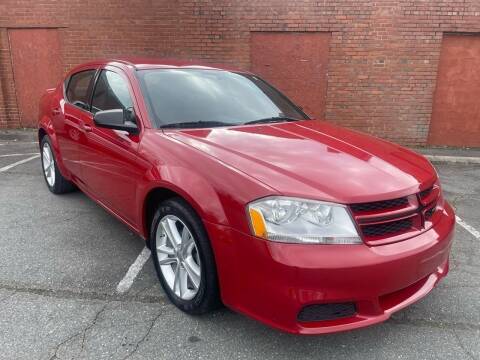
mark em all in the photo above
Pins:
pixel 292 220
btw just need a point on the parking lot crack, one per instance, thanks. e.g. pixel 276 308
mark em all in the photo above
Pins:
pixel 79 333
pixel 58 346
pixel 460 343
pixel 144 337
pixel 89 327
pixel 83 295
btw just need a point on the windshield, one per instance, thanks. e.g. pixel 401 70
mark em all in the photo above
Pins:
pixel 205 98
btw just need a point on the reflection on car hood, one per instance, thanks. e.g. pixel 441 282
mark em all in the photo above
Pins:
pixel 315 159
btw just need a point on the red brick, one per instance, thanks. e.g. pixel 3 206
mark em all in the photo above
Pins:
pixel 383 55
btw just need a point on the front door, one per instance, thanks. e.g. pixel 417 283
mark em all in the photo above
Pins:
pixel 109 164
pixel 70 123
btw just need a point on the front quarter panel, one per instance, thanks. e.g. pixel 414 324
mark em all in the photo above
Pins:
pixel 216 191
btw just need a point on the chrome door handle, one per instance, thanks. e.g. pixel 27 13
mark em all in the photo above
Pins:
pixel 87 128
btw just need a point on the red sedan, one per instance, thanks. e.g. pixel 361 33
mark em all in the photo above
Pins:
pixel 243 199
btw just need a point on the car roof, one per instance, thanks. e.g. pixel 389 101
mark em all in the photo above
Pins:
pixel 141 63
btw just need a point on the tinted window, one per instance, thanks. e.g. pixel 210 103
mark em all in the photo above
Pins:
pixel 190 95
pixel 78 86
pixel 111 92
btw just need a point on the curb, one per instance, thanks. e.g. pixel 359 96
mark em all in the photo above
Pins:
pixel 453 159
pixel 18 135
pixel 29 135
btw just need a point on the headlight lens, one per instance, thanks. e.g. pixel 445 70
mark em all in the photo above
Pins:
pixel 292 220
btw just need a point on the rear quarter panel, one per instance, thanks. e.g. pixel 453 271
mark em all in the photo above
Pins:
pixel 52 98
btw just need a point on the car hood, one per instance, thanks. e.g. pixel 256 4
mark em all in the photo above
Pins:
pixel 315 159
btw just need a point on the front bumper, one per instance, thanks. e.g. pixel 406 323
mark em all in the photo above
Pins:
pixel 272 282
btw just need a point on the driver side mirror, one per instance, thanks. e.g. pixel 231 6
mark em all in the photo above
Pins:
pixel 118 119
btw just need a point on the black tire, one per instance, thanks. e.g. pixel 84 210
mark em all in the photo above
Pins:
pixel 207 298
pixel 60 184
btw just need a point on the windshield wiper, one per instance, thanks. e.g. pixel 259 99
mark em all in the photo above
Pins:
pixel 194 124
pixel 271 120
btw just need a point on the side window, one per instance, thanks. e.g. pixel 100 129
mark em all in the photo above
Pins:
pixel 78 86
pixel 111 92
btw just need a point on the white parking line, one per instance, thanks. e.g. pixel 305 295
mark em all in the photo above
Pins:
pixel 18 142
pixel 469 228
pixel 8 167
pixel 8 155
pixel 134 269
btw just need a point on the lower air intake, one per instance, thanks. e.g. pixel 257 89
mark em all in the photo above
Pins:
pixel 321 312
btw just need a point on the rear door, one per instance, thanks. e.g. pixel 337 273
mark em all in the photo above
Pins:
pixel 70 123
pixel 108 158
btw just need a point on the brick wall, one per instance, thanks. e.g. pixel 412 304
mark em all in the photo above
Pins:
pixel 383 55
pixel 8 102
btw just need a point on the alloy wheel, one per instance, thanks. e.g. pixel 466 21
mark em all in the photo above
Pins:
pixel 48 164
pixel 178 257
